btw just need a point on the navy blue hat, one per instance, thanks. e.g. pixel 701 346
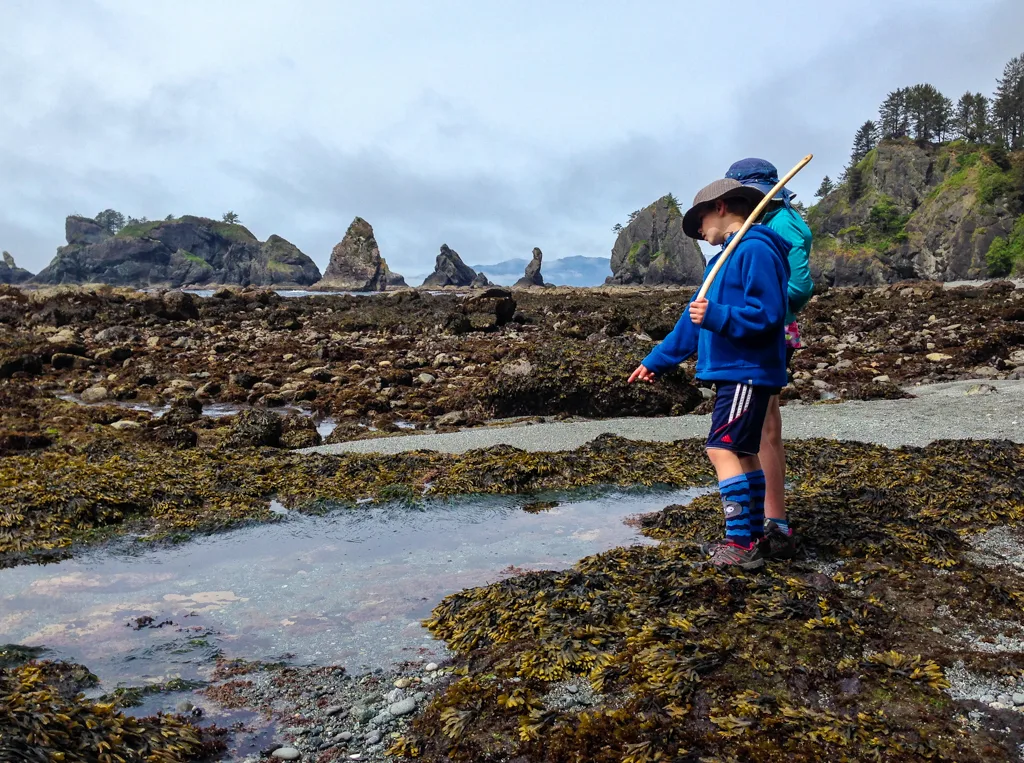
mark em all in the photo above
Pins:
pixel 760 174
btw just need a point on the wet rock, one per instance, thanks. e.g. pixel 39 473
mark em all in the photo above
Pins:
pixel 883 378
pixel 95 395
pixel 402 707
pixel 126 425
pixel 24 364
pixel 1017 699
pixel 286 753
pixel 426 379
pixel 299 432
pixel 937 357
pixel 179 387
pixel 454 419
pixel 981 389
pixel 335 710
pixel 179 306
pixel 255 428
pixel 430 667
pixel 345 736
pixel 244 379
pixel 363 713
pixel 372 738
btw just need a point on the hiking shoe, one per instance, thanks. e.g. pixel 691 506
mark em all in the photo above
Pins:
pixel 725 553
pixel 777 544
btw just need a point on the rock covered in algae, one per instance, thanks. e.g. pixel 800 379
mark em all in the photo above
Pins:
pixel 837 656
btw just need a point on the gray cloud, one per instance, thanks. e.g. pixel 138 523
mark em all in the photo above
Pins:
pixel 299 138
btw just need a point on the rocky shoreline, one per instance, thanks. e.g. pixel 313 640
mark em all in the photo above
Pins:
pixel 73 474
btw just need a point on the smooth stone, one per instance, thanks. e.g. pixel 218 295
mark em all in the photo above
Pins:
pixel 937 357
pixel 125 424
pixel 95 395
pixel 381 719
pixel 431 667
pixel 345 736
pixel 420 696
pixel 1018 699
pixel 426 379
pixel 1006 699
pixel 286 753
pixel 882 378
pixel 404 707
pixel 363 714
pixel 572 688
pixel 373 737
pixel 402 683
pixel 988 699
pixel 334 710
pixel 185 707
pixel 394 695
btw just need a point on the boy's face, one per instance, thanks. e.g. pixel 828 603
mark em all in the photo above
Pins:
pixel 713 223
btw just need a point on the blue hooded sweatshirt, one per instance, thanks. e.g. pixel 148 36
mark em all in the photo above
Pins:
pixel 742 337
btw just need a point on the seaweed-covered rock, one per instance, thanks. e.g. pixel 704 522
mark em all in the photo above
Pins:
pixel 653 249
pixel 585 380
pixel 450 270
pixel 299 432
pixel 254 428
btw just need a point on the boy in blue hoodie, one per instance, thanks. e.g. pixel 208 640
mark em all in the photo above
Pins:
pixel 737 333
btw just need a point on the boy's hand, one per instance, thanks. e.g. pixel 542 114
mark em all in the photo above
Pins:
pixel 697 309
pixel 642 374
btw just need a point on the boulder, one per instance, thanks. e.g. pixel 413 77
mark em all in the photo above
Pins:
pixel 10 273
pixel 532 276
pixel 394 280
pixel 653 250
pixel 450 270
pixel 356 264
pixel 299 432
pixel 188 251
pixel 254 428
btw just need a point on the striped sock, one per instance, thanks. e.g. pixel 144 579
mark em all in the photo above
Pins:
pixel 736 502
pixel 783 524
pixel 757 490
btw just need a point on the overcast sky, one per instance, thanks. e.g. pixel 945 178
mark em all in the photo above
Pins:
pixel 491 127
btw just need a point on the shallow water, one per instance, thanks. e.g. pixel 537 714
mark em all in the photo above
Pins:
pixel 346 588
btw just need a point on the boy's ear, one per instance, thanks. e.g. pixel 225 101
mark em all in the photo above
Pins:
pixel 721 208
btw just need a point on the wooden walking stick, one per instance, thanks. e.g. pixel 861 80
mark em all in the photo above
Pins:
pixel 750 221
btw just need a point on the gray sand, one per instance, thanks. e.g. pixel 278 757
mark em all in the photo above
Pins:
pixel 954 410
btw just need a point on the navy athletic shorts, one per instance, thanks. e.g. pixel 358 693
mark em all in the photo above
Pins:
pixel 739 416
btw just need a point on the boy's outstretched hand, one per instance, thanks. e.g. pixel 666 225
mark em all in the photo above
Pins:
pixel 642 374
pixel 697 309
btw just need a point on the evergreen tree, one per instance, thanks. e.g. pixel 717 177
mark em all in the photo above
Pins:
pixel 1008 104
pixel 865 139
pixel 856 179
pixel 970 118
pixel 230 217
pixel 825 188
pixel 893 118
pixel 111 219
pixel 929 112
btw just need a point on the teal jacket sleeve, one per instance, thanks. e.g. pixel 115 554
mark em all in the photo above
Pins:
pixel 791 226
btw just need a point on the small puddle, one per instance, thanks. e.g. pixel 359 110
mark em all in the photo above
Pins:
pixel 349 587
pixel 214 410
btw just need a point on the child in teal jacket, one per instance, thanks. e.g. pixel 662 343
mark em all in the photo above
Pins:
pixel 778 540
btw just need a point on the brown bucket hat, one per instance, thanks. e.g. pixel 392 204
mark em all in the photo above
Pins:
pixel 726 188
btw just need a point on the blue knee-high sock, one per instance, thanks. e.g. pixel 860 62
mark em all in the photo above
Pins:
pixel 736 503
pixel 757 491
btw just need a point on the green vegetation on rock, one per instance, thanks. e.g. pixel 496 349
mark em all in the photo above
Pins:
pixel 635 249
pixel 1006 255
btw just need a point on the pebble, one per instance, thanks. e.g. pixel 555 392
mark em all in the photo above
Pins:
pixel 394 695
pixel 1006 699
pixel 402 683
pixel 882 378
pixel 937 357
pixel 345 736
pixel 363 714
pixel 373 737
pixel 1018 699
pixel 94 394
pixel 420 696
pixel 431 667
pixel 381 719
pixel 185 707
pixel 286 753
pixel 988 699
pixel 572 688
pixel 334 710
pixel 403 707
pixel 124 424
